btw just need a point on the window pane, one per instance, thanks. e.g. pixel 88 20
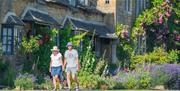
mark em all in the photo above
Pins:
pixel 15 31
pixel 137 8
pixel 9 48
pixel 9 32
pixel 127 5
pixel 4 31
pixel 72 2
pixel 4 40
pixel 4 48
pixel 140 5
pixel 9 40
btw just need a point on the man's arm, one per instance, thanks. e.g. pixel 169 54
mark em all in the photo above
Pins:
pixel 77 63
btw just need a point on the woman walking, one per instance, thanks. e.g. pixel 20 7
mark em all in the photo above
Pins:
pixel 56 66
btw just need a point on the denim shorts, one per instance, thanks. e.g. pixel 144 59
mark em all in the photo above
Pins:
pixel 56 71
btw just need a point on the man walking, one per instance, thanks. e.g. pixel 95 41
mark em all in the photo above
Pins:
pixel 71 62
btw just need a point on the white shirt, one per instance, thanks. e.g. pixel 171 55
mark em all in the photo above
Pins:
pixel 55 60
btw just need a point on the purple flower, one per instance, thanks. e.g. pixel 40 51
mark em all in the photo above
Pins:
pixel 172 70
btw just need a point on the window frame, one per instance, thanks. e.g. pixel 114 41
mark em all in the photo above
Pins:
pixel 6 43
pixel 137 8
pixel 128 5
pixel 107 2
pixel 72 2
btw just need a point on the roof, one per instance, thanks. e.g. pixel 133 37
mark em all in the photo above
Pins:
pixel 100 29
pixel 62 2
pixel 66 3
pixel 39 17
pixel 12 19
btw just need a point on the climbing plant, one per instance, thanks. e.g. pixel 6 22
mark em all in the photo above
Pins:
pixel 125 46
pixel 157 26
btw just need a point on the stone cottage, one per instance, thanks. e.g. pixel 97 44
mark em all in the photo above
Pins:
pixel 125 11
pixel 23 17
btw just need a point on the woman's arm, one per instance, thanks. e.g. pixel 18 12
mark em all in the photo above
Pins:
pixel 50 66
pixel 61 62
pixel 64 65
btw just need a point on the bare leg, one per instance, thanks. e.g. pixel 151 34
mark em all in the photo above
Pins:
pixel 57 79
pixel 74 77
pixel 68 80
pixel 54 82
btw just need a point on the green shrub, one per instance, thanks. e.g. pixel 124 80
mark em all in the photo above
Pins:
pixel 88 60
pixel 92 81
pixel 42 57
pixel 100 67
pixel 137 81
pixel 158 56
pixel 109 83
pixel 29 46
pixel 159 77
pixel 9 77
pixel 24 82
pixel 46 85
pixel 139 78
pixel 131 82
pixel 8 74
pixel 144 81
pixel 88 81
pixel 3 65
pixel 173 56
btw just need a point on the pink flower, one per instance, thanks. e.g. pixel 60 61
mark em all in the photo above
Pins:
pixel 168 14
pixel 40 42
pixel 178 38
pixel 160 20
pixel 126 69
pixel 152 30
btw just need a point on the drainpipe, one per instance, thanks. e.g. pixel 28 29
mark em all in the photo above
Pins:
pixel 114 46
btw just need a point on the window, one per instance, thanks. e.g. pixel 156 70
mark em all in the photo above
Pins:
pixel 127 5
pixel 140 5
pixel 83 2
pixel 72 2
pixel 145 4
pixel 7 39
pixel 11 38
pixel 106 1
pixel 137 8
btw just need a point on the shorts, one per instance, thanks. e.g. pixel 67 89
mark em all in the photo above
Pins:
pixel 56 71
pixel 72 70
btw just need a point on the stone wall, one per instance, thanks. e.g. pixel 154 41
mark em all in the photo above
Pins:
pixel 129 17
pixel 57 11
pixel 119 8
pixel 123 15
pixel 3 10
pixel 107 8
